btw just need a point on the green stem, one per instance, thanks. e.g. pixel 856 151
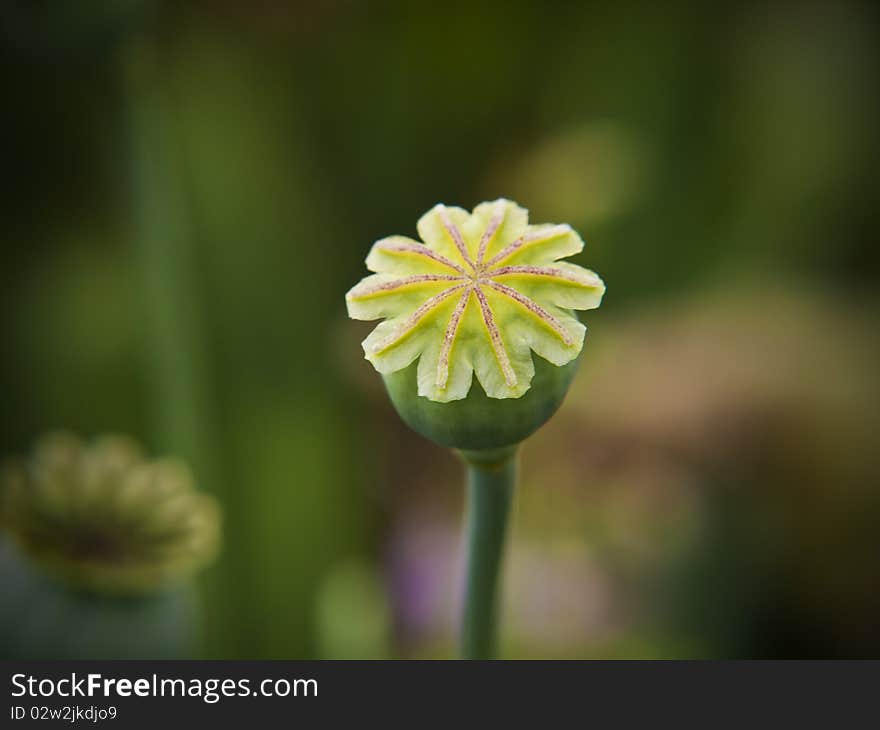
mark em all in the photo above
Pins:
pixel 490 485
pixel 166 247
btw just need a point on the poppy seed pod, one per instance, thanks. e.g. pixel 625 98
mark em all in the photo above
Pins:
pixel 104 519
pixel 478 296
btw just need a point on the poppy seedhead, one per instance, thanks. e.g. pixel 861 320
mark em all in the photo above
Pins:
pixel 478 295
pixel 104 518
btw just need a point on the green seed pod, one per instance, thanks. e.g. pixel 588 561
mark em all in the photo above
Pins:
pixel 478 423
pixel 480 295
pixel 104 519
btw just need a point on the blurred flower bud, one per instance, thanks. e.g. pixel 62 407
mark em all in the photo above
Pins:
pixel 105 519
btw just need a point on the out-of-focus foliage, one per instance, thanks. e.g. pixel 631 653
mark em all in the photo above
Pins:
pixel 191 187
pixel 688 500
pixel 42 618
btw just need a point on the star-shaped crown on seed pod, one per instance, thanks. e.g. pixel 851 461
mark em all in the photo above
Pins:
pixel 481 293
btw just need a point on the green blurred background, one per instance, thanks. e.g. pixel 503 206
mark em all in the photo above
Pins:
pixel 192 187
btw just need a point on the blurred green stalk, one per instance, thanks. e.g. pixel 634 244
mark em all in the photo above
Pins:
pixel 165 246
pixel 491 479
